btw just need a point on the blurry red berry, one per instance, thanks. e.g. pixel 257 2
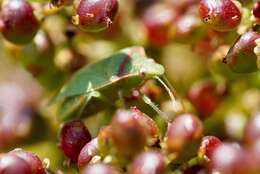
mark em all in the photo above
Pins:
pixel 73 137
pixel 87 153
pixel 34 161
pixel 184 129
pixel 203 95
pixel 19 23
pixel 241 57
pixel 99 169
pixel 96 15
pixel 252 129
pixel 229 158
pixel 128 134
pixel 256 10
pixel 208 146
pixel 151 162
pixel 11 164
pixel 158 20
pixel 147 122
pixel 253 156
pixel 220 15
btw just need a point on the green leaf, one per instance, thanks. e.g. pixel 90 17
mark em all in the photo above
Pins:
pixel 122 71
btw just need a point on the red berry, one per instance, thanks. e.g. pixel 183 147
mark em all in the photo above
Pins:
pixel 87 153
pixel 241 57
pixel 220 15
pixel 158 20
pixel 208 146
pixel 203 95
pixel 253 156
pixel 256 10
pixel 184 129
pixel 19 23
pixel 128 134
pixel 151 162
pixel 73 136
pixel 147 122
pixel 96 15
pixel 34 162
pixel 229 158
pixel 252 129
pixel 11 164
pixel 99 169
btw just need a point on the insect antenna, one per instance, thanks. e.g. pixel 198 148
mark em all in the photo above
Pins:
pixel 149 102
pixel 177 103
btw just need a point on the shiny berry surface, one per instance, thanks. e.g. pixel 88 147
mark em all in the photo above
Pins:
pixel 220 15
pixel 73 136
pixel 229 158
pixel 99 169
pixel 256 10
pixel 11 164
pixel 241 57
pixel 96 15
pixel 34 161
pixel 252 129
pixel 151 162
pixel 204 97
pixel 128 134
pixel 208 146
pixel 87 153
pixel 18 20
pixel 182 130
pixel 158 20
pixel 147 122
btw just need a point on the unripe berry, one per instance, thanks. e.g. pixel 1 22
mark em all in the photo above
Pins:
pixel 19 24
pixel 220 15
pixel 73 136
pixel 241 57
pixel 95 15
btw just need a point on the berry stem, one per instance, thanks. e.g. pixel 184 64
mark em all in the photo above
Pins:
pixel 193 162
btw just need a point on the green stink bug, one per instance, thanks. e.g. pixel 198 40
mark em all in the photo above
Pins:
pixel 99 83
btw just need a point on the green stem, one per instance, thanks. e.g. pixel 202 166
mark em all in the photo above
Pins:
pixel 193 162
